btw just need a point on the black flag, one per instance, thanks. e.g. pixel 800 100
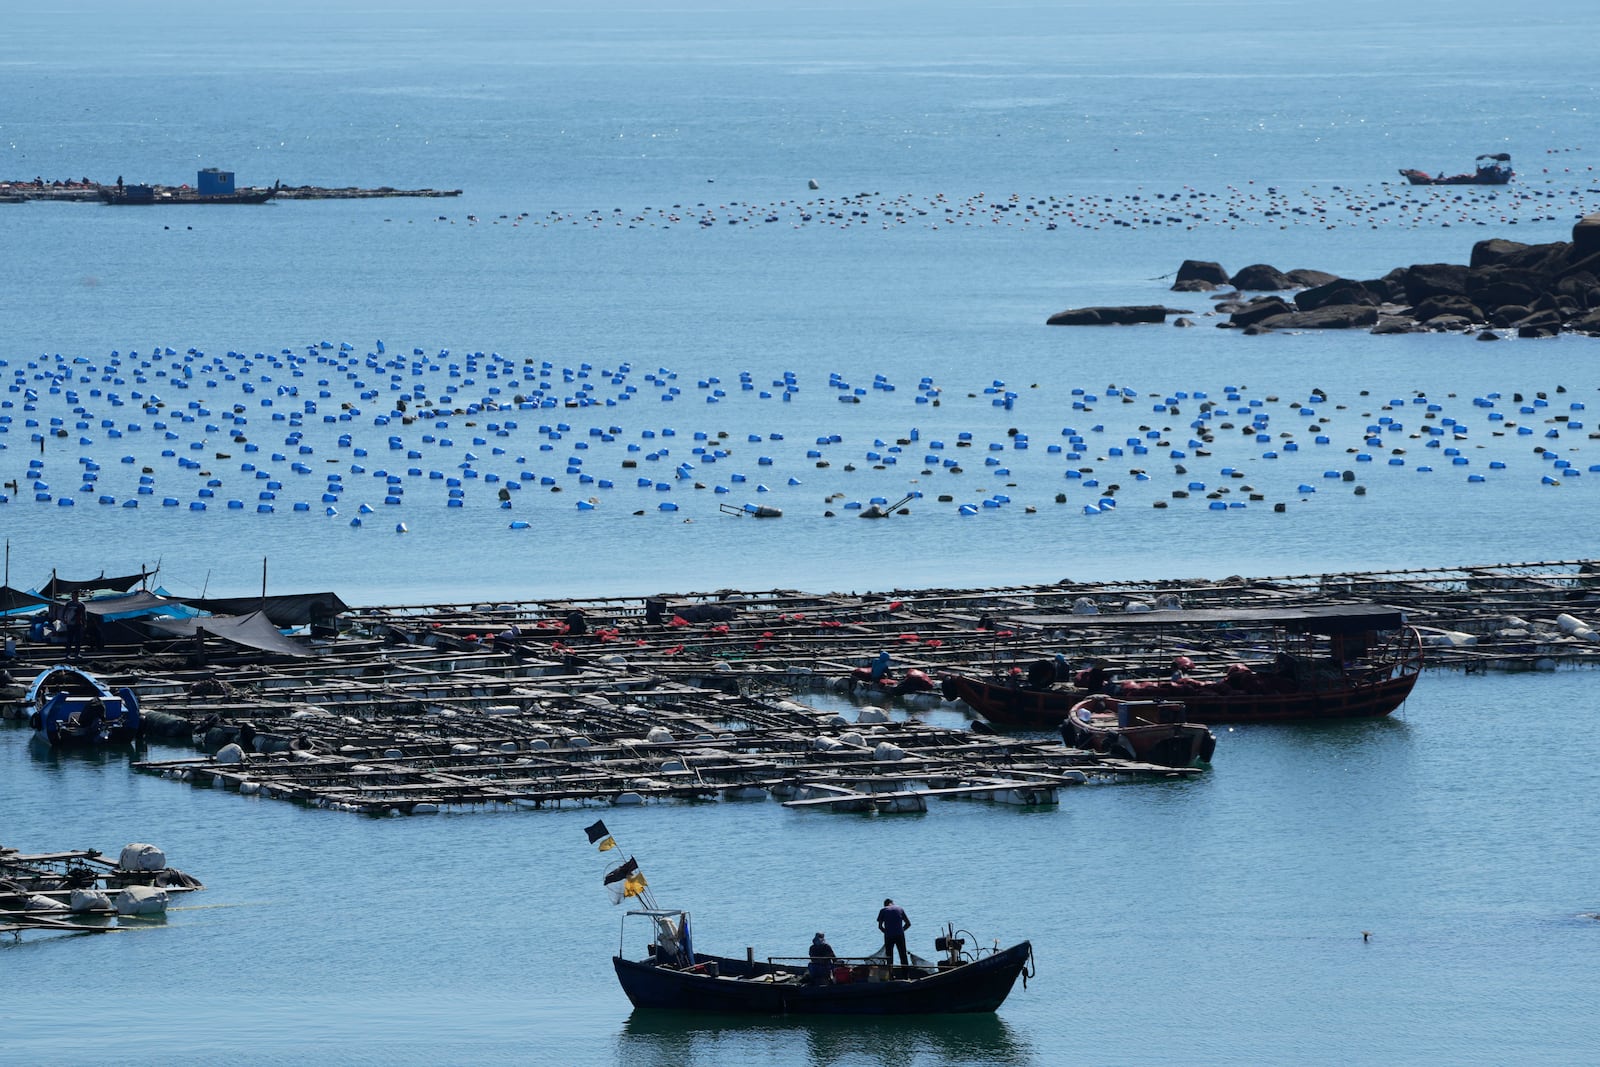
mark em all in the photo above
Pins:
pixel 617 874
pixel 596 832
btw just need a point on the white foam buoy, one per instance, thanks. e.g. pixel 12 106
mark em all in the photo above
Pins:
pixel 141 857
pixel 141 900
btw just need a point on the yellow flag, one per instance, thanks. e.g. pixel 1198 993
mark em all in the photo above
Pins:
pixel 633 885
pixel 608 844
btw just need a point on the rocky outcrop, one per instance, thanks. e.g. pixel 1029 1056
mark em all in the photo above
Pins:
pixel 1339 291
pixel 1537 290
pixel 1260 310
pixel 1198 276
pixel 1262 278
pixel 1304 278
pixel 1586 235
pixel 1110 316
pixel 1329 317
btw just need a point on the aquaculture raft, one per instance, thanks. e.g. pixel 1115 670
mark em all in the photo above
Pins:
pixel 647 745
pixel 57 891
pixel 541 703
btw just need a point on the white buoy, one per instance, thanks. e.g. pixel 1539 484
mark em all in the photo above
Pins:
pixel 141 900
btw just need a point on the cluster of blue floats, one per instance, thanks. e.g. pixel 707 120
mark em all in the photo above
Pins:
pixel 499 390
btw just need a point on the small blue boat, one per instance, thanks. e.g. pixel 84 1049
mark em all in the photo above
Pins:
pixel 72 707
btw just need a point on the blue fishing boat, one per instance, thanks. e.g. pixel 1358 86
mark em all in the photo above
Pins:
pixel 73 707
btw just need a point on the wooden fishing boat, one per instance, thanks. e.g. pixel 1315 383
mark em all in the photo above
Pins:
pixel 1151 731
pixel 1491 168
pixel 677 980
pixel 1313 664
pixel 73 707
pixel 671 976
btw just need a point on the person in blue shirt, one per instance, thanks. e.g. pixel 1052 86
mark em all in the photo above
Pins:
pixel 894 923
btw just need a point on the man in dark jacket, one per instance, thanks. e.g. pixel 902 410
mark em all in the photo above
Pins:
pixel 893 922
pixel 822 960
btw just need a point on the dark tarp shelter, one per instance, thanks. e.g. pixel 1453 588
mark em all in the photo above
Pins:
pixel 254 630
pixel 132 605
pixel 58 588
pixel 16 600
pixel 293 609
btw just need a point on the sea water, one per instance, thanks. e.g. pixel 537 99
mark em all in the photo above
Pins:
pixel 636 194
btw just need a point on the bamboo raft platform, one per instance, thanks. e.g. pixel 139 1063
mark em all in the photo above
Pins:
pixel 17 923
pixel 55 892
pixel 692 698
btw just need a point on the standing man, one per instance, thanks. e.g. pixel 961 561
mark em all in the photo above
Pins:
pixel 893 922
pixel 72 621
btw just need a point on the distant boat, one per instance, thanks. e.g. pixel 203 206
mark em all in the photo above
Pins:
pixel 1492 169
pixel 73 707
pixel 1350 674
pixel 138 195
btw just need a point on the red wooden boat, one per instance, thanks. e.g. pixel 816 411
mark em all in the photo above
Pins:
pixel 1491 168
pixel 1324 663
pixel 1151 731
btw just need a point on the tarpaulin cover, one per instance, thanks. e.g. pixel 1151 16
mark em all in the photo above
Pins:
pixel 290 609
pixel 16 600
pixel 252 631
pixel 135 604
pixel 57 588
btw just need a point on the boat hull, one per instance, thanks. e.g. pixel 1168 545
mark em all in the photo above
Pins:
pixel 1021 708
pixel 1484 177
pixel 1167 744
pixel 739 986
pixel 61 696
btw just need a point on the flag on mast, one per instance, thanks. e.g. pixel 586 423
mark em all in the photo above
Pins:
pixel 618 873
pixel 625 879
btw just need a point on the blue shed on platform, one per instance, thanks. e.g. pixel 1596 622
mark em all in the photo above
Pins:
pixel 214 182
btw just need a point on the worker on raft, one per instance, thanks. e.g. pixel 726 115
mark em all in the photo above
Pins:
pixel 820 970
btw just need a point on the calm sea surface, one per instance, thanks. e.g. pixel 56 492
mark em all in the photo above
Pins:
pixel 638 287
